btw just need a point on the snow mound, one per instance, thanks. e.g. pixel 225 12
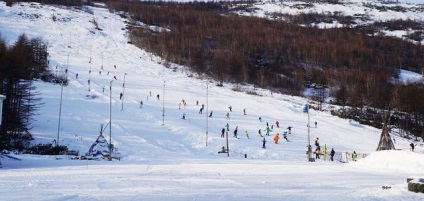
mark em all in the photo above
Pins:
pixel 392 160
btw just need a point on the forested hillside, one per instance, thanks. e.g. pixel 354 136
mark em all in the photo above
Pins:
pixel 357 67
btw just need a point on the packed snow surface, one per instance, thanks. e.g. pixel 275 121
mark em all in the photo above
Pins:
pixel 164 157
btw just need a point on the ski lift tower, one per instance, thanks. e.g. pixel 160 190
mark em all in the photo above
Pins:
pixel 309 147
pixel 2 97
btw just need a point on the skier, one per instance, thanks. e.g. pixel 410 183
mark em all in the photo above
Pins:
pixel 76 76
pixel 276 137
pixel 157 96
pixel 260 119
pixel 260 133
pixel 222 132
pixel 332 154
pixel 247 134
pixel 244 111
pixel 235 132
pixel 285 136
pixel 316 124
pixel 197 102
pixel 231 109
pixel 354 156
pixel 277 124
pixel 179 106
pixel 289 128
pixel 228 127
pixel 201 110
pixel 120 96
pixel 184 115
pixel 114 77
pixel 210 115
pixel 228 115
pixel 114 66
pixel 263 143
pixel 141 104
pixel 267 130
pixel 412 146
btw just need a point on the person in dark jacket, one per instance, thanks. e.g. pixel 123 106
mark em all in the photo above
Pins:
pixel 332 154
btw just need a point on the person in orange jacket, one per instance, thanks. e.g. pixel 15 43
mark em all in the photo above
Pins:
pixel 276 137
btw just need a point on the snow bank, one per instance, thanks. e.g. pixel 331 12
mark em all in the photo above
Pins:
pixel 392 160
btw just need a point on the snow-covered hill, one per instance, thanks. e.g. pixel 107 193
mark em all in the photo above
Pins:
pixel 165 157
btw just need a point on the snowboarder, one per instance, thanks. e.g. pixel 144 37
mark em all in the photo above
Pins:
pixel 244 111
pixel 247 134
pixel 231 109
pixel 285 136
pixel 412 146
pixel 210 115
pixel 354 156
pixel 120 96
pixel 317 152
pixel 157 96
pixel 289 128
pixel 316 124
pixel 222 132
pixel 277 124
pixel 332 154
pixel 141 104
pixel 235 132
pixel 263 143
pixel 276 137
pixel 260 133
pixel 267 130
